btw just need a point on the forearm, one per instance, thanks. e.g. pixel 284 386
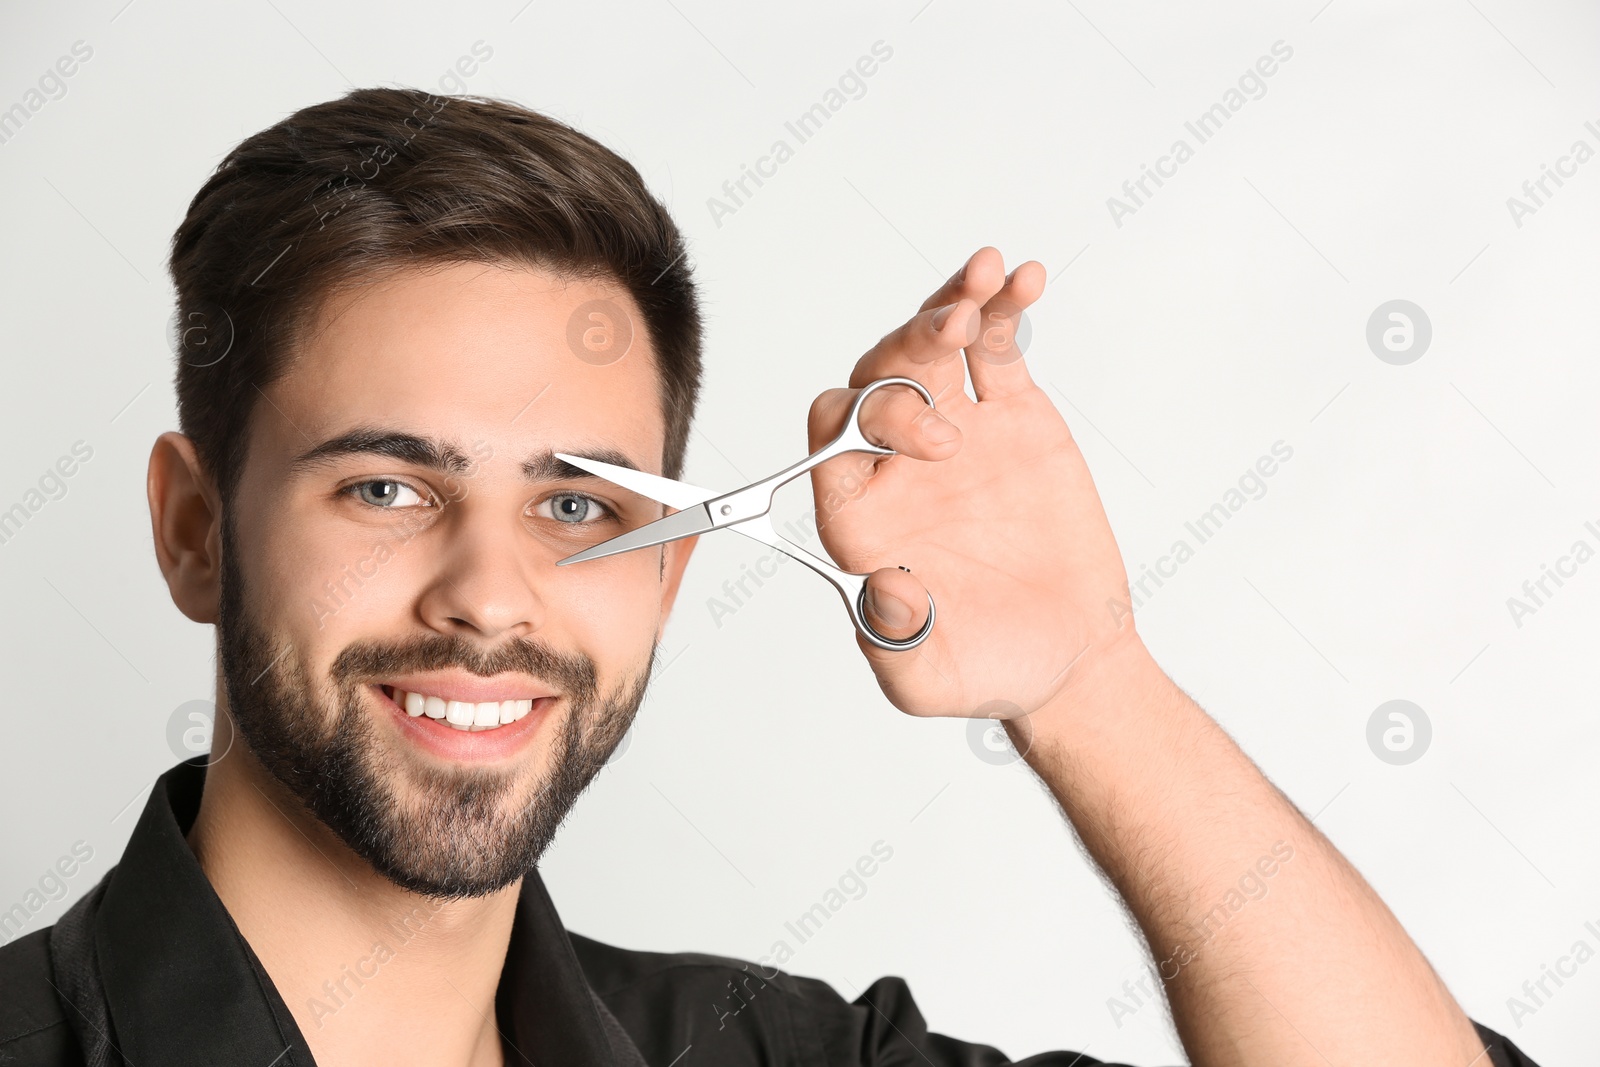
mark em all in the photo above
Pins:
pixel 1272 948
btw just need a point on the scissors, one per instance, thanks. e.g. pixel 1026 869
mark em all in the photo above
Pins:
pixel 747 511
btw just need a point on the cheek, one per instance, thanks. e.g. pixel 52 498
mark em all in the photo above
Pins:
pixel 608 607
pixel 315 584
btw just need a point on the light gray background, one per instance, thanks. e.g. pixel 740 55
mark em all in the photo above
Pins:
pixel 1228 313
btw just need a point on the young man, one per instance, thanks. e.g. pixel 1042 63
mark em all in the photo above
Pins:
pixel 394 310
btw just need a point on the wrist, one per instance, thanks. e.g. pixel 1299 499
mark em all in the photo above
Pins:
pixel 1114 686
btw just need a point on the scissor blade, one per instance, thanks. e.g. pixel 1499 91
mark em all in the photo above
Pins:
pixel 694 520
pixel 674 494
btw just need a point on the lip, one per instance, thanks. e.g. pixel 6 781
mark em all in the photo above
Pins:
pixel 469 688
pixel 468 746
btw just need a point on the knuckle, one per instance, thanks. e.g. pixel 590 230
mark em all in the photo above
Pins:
pixel 825 410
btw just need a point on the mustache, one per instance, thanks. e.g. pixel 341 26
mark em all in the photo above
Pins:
pixel 367 661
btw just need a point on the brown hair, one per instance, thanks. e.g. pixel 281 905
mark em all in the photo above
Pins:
pixel 390 178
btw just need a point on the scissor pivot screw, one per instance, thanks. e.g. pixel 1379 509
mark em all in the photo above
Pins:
pixel 727 509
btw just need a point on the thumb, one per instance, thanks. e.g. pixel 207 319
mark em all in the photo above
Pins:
pixel 896 605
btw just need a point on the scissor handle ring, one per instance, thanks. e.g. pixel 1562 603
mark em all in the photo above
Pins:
pixel 850 438
pixel 889 644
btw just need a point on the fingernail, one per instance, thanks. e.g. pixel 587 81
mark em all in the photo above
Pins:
pixel 935 427
pixel 958 275
pixel 888 610
pixel 942 316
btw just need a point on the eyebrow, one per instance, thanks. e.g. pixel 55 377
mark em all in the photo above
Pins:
pixel 447 457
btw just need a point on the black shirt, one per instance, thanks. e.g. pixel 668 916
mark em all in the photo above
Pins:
pixel 149 970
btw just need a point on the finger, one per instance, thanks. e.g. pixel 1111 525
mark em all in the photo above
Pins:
pixel 994 359
pixel 925 348
pixel 896 607
pixel 894 417
pixel 979 278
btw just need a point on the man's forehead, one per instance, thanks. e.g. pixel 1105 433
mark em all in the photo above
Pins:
pixel 465 354
pixel 445 315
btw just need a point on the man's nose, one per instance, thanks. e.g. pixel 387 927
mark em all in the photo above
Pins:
pixel 485 581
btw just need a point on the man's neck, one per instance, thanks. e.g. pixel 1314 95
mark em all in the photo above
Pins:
pixel 371 972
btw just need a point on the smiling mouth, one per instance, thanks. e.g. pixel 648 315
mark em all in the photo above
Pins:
pixel 460 714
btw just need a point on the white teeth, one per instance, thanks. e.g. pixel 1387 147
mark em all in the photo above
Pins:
pixel 461 714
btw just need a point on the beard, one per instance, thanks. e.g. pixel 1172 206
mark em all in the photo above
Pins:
pixel 447 833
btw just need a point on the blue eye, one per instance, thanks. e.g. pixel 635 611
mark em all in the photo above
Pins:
pixel 575 509
pixel 385 493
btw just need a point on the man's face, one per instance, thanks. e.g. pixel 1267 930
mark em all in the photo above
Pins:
pixel 395 530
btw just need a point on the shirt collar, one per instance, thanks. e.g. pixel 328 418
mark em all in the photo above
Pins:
pixel 184 988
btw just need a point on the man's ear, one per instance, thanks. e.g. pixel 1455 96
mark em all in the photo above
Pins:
pixel 674 558
pixel 186 521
